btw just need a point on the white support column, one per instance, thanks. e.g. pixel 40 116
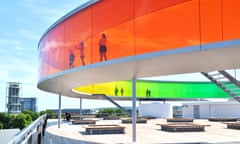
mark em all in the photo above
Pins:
pixel 134 110
pixel 59 110
pixel 80 112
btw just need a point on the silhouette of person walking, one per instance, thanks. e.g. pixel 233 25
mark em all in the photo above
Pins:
pixel 148 93
pixel 103 47
pixel 122 91
pixel 81 50
pixel 71 58
pixel 116 91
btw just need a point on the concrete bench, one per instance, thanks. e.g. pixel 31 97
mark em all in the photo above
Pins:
pixel 104 129
pixel 233 125
pixel 179 120
pixel 77 117
pixel 187 127
pixel 218 119
pixel 146 117
pixel 140 120
pixel 84 122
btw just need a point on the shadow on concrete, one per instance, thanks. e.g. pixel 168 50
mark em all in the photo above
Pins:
pixel 52 122
pixel 55 139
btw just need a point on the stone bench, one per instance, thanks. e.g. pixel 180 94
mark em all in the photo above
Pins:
pixel 179 120
pixel 187 127
pixel 77 117
pixel 218 119
pixel 140 120
pixel 84 122
pixel 233 125
pixel 146 117
pixel 104 129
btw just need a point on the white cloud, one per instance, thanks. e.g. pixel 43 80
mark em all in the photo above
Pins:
pixel 3 74
pixel 47 10
pixel 8 34
pixel 2 50
pixel 20 71
pixel 43 11
pixel 10 48
pixel 3 11
pixel 8 42
pixel 29 34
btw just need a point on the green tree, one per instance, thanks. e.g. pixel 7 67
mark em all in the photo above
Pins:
pixel 42 113
pixel 22 120
pixel 11 118
pixel 1 125
pixel 111 113
pixel 6 120
pixel 34 115
pixel 50 114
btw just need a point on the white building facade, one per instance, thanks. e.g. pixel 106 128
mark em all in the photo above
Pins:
pixel 158 110
pixel 230 109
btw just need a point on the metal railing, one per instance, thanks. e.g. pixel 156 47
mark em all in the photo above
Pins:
pixel 31 134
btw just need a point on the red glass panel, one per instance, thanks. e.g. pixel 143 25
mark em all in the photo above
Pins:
pixel 78 30
pixel 231 21
pixel 147 6
pixel 169 28
pixel 108 13
pixel 120 42
pixel 211 21
pixel 43 59
pixel 158 25
pixel 55 47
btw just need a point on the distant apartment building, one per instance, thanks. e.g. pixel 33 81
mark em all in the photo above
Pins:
pixel 28 104
pixel 13 90
pixel 15 103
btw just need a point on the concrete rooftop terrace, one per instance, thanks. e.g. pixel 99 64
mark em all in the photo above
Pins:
pixel 149 133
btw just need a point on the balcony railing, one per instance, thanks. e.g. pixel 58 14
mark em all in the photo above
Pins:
pixel 33 133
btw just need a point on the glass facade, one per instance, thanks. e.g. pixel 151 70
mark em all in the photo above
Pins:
pixel 28 104
pixel 111 30
pixel 13 95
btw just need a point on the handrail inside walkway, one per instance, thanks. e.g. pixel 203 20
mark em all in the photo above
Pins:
pixel 31 134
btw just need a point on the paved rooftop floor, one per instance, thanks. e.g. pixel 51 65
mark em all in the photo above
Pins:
pixel 149 133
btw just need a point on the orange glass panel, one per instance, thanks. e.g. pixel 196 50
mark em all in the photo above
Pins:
pixel 158 25
pixel 231 21
pixel 120 42
pixel 108 13
pixel 47 50
pixel 211 21
pixel 55 47
pixel 77 30
pixel 169 28
pixel 146 6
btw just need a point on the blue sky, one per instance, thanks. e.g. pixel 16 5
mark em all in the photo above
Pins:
pixel 22 24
